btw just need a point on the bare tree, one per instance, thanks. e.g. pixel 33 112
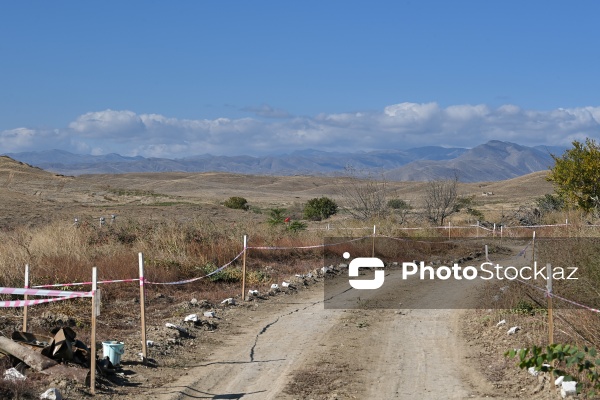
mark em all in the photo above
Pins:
pixel 364 195
pixel 440 200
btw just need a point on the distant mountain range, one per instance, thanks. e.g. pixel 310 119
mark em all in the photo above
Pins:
pixel 495 160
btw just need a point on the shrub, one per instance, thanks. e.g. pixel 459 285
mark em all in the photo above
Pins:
pixel 296 226
pixel 397 204
pixel 237 203
pixel 321 208
pixel 276 216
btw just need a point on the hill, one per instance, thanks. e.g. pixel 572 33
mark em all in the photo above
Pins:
pixel 494 160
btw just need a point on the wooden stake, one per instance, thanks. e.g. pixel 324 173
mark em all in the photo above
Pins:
pixel 25 307
pixel 93 334
pixel 533 248
pixel 477 235
pixel 244 270
pixel 374 233
pixel 143 308
pixel 550 313
pixel 448 229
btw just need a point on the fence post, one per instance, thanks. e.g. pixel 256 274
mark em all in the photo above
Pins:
pixel 448 229
pixel 93 334
pixel 244 269
pixel 550 313
pixel 143 308
pixel 477 234
pixel 533 249
pixel 25 307
pixel 374 233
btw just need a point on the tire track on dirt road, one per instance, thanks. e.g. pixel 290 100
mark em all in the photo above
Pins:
pixel 311 352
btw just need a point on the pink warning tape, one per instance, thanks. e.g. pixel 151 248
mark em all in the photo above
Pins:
pixel 43 292
pixel 85 283
pixel 23 303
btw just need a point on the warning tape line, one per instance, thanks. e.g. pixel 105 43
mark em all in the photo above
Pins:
pixel 198 278
pixel 85 283
pixel 43 292
pixel 306 247
pixel 23 303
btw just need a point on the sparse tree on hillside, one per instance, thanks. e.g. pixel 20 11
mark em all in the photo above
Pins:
pixel 364 194
pixel 440 200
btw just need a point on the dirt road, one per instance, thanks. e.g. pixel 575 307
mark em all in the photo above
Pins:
pixel 305 351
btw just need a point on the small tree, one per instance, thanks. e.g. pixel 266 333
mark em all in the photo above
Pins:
pixel 237 203
pixel 276 216
pixel 321 208
pixel 401 208
pixel 576 175
pixel 364 194
pixel 441 200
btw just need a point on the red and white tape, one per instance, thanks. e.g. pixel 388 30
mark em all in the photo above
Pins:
pixel 85 283
pixel 23 303
pixel 43 292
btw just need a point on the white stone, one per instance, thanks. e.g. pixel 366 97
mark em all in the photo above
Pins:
pixel 514 330
pixel 51 394
pixel 13 375
pixel 274 286
pixel 285 284
pixel 253 292
pixel 533 371
pixel 209 314
pixel 501 323
pixel 559 380
pixel 230 301
pixel 568 389
pixel 191 317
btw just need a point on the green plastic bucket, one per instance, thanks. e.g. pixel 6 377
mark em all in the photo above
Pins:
pixel 113 350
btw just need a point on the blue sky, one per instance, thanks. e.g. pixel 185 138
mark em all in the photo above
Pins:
pixel 173 79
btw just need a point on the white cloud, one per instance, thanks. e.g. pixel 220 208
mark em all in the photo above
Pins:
pixel 398 126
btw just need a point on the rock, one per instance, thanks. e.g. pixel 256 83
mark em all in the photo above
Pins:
pixel 275 287
pixel 209 314
pixel 559 381
pixel 568 389
pixel 194 302
pixel 253 292
pixel 285 284
pixel 230 301
pixel 191 318
pixel 13 375
pixel 533 371
pixel 514 330
pixel 51 394
pixel 501 323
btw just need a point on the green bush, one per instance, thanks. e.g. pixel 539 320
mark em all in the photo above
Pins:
pixel 296 226
pixel 276 216
pixel 398 204
pixel 237 203
pixel 321 208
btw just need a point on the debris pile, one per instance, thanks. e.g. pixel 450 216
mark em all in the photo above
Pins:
pixel 61 355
